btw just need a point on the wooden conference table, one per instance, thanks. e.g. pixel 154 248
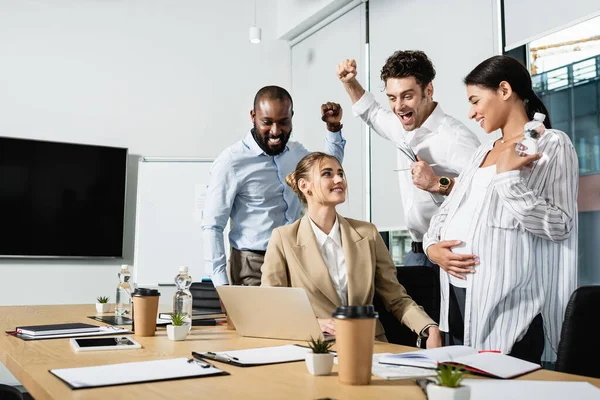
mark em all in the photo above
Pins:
pixel 30 362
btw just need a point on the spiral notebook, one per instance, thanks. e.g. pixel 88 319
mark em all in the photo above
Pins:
pixel 135 372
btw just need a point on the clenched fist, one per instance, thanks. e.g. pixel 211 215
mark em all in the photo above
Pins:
pixel 346 70
pixel 331 114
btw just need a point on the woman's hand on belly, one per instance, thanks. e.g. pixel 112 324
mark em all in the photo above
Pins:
pixel 327 325
pixel 457 265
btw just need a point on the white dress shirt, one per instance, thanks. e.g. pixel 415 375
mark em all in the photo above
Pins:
pixel 441 139
pixel 526 240
pixel 333 255
pixel 462 225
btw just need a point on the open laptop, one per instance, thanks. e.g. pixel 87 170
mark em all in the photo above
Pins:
pixel 271 312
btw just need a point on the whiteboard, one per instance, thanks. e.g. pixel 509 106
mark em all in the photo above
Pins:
pixel 170 199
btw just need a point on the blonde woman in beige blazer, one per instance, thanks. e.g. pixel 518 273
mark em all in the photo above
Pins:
pixel 338 261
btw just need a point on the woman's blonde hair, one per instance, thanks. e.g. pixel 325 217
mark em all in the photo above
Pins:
pixel 303 171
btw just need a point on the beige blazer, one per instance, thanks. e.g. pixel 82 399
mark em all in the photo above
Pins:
pixel 293 259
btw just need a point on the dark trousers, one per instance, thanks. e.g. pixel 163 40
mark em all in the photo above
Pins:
pixel 244 267
pixel 529 348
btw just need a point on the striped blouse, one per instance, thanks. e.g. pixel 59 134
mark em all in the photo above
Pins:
pixel 526 240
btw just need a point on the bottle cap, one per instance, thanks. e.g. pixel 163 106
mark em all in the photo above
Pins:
pixel 183 268
pixel 124 266
pixel 539 117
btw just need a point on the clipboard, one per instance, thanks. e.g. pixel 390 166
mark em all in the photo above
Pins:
pixel 134 373
pixel 257 356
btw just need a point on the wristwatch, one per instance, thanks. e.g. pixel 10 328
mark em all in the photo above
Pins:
pixel 444 182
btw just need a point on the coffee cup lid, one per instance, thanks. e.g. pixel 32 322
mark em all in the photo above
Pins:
pixel 146 292
pixel 355 312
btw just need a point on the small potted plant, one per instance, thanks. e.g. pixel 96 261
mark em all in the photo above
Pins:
pixel 320 361
pixel 102 304
pixel 447 385
pixel 177 330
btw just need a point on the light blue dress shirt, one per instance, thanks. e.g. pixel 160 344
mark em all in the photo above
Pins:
pixel 249 186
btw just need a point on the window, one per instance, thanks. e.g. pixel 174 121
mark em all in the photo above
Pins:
pixel 565 68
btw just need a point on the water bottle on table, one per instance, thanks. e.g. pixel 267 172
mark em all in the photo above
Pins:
pixel 123 298
pixel 182 300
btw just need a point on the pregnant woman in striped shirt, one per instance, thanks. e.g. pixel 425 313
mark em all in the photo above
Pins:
pixel 506 237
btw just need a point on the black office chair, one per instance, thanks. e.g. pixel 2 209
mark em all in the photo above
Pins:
pixel 10 393
pixel 423 285
pixel 578 350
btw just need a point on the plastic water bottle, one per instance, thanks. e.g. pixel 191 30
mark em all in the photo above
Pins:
pixel 182 300
pixel 123 303
pixel 533 131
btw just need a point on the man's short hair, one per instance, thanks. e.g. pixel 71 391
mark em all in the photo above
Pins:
pixel 407 63
pixel 273 93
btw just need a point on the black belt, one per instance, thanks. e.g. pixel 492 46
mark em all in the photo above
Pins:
pixel 259 252
pixel 417 247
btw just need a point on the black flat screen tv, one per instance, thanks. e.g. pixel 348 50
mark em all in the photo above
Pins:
pixel 61 199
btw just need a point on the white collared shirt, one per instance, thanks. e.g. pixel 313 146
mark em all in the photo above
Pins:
pixel 333 256
pixel 441 139
pixel 526 240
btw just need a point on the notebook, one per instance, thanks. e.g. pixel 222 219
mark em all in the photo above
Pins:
pixel 258 356
pixel 486 363
pixel 135 372
pixel 102 330
pixel 56 329
pixel 198 314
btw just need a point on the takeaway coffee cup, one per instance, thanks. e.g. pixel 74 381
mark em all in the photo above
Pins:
pixel 354 337
pixel 145 311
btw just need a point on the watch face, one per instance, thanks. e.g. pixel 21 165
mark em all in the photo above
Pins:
pixel 444 181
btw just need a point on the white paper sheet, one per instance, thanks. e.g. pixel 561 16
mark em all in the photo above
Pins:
pixel 145 371
pixel 393 372
pixel 490 389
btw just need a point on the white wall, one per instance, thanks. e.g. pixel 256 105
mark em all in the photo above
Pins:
pixel 295 16
pixel 456 35
pixel 314 82
pixel 160 77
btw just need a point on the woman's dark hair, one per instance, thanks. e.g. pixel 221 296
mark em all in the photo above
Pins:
pixel 415 63
pixel 496 69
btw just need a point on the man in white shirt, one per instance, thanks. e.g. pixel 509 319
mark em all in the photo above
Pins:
pixel 418 122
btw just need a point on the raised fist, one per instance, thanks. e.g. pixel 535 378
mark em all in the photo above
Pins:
pixel 331 114
pixel 346 70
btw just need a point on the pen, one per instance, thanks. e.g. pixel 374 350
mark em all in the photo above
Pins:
pixel 214 356
pixel 408 169
pixel 203 364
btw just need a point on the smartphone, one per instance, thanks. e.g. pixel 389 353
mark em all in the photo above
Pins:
pixel 104 343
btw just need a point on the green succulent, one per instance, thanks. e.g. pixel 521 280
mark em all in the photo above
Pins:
pixel 449 376
pixel 177 318
pixel 102 299
pixel 319 346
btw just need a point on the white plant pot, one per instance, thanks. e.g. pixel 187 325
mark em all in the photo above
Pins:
pixel 102 307
pixel 319 364
pixel 177 332
pixel 435 392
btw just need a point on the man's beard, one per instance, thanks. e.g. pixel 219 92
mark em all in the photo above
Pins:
pixel 263 142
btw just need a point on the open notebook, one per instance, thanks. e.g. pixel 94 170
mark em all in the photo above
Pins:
pixel 135 372
pixel 492 364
